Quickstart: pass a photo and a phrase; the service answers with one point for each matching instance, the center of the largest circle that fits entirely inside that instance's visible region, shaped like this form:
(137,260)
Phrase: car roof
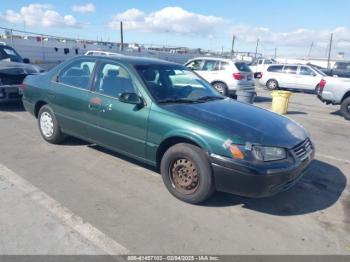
(133,60)
(213,58)
(290,65)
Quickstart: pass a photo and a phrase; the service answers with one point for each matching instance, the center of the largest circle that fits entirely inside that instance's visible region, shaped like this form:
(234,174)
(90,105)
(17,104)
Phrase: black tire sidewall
(344,108)
(199,158)
(57,135)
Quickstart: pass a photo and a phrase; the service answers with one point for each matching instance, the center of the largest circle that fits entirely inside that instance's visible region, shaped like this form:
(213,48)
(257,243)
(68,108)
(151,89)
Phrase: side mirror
(26,60)
(131,98)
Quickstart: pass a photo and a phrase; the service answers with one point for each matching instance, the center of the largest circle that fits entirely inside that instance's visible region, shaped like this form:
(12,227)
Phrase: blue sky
(288,26)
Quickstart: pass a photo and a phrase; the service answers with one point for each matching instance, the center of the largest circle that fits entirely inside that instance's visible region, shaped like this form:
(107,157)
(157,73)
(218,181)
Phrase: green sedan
(163,114)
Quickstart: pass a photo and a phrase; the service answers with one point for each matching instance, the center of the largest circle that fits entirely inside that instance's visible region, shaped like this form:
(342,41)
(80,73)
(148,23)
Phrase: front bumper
(250,180)
(327,97)
(10,93)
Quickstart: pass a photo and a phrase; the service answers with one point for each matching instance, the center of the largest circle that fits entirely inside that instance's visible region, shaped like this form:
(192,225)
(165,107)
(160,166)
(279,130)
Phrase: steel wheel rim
(184,176)
(46,124)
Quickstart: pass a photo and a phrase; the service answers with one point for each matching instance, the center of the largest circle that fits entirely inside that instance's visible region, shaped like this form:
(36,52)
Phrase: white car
(226,75)
(261,64)
(292,76)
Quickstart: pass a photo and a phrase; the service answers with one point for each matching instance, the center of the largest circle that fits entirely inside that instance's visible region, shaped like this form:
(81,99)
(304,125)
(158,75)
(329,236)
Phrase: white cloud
(87,8)
(40,14)
(297,38)
(169,19)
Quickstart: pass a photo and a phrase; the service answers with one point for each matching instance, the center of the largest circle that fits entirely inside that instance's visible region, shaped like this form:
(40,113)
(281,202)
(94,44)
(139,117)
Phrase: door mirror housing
(26,61)
(131,98)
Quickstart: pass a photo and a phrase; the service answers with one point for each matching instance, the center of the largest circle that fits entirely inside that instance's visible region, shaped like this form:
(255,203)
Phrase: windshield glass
(7,53)
(171,83)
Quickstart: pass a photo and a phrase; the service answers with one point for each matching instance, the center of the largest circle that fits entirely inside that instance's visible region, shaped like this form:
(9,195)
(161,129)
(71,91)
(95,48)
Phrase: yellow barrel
(280,100)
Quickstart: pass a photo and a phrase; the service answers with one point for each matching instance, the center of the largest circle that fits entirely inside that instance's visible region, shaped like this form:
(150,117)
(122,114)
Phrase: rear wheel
(272,84)
(48,126)
(221,87)
(187,174)
(345,108)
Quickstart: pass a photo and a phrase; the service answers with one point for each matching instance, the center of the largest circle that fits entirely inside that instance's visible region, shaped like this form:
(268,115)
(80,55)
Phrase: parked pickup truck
(13,69)
(340,69)
(336,92)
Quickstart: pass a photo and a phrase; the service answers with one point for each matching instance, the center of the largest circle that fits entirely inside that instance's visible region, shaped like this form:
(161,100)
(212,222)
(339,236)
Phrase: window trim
(92,76)
(106,61)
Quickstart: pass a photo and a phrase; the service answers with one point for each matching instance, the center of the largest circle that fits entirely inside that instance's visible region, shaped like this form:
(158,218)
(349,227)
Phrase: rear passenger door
(210,70)
(288,78)
(70,95)
(122,126)
(307,79)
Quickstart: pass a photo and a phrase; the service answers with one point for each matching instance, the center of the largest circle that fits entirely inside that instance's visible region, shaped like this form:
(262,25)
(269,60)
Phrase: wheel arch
(219,81)
(37,107)
(177,139)
(346,95)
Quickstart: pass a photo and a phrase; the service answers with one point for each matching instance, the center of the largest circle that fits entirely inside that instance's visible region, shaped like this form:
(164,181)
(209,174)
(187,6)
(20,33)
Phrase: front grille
(303,149)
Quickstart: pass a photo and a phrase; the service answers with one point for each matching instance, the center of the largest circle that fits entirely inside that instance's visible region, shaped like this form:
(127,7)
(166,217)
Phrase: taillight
(322,84)
(22,87)
(238,76)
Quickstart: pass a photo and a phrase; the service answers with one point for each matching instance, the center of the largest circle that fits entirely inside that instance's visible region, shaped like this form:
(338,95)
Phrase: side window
(113,80)
(211,65)
(290,70)
(260,62)
(195,65)
(275,69)
(224,65)
(77,74)
(306,71)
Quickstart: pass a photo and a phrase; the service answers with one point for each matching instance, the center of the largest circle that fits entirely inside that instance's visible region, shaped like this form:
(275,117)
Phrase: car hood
(249,123)
(14,68)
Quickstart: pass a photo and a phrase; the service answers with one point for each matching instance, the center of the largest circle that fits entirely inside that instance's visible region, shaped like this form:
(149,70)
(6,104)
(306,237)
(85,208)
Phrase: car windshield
(7,53)
(176,84)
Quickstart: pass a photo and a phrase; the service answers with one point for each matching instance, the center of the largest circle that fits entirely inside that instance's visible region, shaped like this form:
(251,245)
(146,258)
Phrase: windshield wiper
(209,98)
(169,101)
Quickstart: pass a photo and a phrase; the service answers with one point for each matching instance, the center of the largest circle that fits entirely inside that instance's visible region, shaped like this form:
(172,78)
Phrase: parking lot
(78,198)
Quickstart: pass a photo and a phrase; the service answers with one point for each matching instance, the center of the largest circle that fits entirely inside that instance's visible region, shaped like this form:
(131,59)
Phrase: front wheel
(345,108)
(187,174)
(48,126)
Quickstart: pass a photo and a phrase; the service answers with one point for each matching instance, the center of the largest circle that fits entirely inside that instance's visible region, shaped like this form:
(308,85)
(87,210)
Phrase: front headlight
(260,153)
(265,154)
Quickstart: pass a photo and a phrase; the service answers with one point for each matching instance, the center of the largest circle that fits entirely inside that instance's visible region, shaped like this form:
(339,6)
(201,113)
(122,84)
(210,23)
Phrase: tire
(345,108)
(193,182)
(317,89)
(272,84)
(49,128)
(221,88)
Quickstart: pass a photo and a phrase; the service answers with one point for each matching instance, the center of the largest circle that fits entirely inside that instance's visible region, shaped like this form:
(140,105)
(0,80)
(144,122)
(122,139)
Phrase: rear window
(275,69)
(242,67)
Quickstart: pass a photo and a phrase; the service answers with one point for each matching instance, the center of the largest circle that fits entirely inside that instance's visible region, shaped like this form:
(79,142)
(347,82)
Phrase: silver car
(292,76)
